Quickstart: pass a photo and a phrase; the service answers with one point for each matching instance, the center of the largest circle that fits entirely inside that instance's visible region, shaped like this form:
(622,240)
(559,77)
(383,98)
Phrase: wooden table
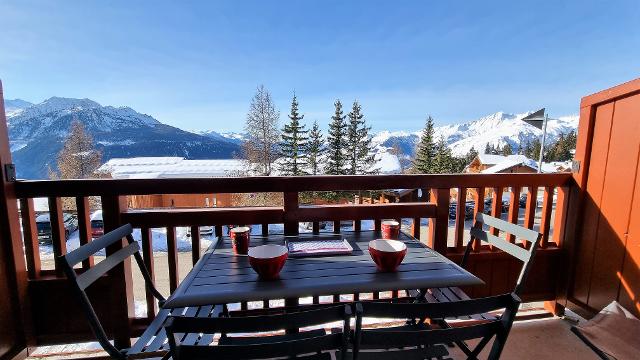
(220,277)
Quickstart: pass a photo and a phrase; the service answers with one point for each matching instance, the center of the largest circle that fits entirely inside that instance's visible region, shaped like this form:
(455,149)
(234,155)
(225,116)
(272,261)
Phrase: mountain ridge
(37,131)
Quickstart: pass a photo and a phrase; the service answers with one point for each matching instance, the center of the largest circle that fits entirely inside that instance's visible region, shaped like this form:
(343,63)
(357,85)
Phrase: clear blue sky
(196,64)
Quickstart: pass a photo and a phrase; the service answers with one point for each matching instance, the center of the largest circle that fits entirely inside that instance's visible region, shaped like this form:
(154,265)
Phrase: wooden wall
(607,244)
(179,200)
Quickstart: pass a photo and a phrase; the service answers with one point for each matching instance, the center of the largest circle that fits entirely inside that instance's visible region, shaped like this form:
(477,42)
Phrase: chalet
(494,164)
(171,168)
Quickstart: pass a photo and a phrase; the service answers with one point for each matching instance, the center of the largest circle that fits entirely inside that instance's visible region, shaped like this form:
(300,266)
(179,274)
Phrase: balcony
(587,257)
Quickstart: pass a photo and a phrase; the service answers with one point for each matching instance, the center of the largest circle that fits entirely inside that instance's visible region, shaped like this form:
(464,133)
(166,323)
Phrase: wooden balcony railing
(47,287)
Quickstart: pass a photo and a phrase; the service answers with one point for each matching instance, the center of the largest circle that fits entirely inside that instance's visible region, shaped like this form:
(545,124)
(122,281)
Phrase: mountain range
(37,132)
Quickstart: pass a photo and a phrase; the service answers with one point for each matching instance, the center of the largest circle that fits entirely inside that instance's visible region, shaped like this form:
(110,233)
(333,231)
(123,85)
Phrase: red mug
(390,229)
(240,240)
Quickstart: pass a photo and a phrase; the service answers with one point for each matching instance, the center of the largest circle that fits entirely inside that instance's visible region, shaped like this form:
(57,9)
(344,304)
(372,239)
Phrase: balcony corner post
(122,283)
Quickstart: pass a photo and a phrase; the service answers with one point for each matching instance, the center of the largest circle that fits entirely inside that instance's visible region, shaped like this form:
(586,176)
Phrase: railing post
(461,213)
(478,208)
(58,232)
(514,210)
(290,206)
(121,290)
(438,226)
(30,234)
(84,226)
(545,220)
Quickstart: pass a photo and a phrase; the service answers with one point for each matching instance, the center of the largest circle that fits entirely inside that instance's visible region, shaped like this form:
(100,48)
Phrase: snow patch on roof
(170,167)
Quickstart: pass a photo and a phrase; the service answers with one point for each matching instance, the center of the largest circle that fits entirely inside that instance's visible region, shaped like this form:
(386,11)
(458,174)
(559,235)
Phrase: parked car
(309,225)
(97,225)
(523,200)
(468,210)
(204,230)
(43,223)
(488,203)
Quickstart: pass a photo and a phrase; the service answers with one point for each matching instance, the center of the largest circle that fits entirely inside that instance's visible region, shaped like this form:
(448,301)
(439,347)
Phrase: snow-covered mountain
(36,134)
(15,106)
(497,129)
(37,131)
(232,137)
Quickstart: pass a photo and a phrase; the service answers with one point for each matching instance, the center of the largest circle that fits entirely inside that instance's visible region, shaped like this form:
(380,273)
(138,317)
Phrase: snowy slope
(15,106)
(232,137)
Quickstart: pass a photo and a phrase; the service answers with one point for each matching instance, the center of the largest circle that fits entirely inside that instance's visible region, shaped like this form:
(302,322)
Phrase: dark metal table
(220,277)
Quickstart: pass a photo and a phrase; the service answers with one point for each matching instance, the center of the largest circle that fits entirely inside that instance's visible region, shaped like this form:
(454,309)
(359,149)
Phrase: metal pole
(544,137)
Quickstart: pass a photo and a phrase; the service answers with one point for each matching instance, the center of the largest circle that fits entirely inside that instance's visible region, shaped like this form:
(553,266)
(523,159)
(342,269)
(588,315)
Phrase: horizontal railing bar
(113,187)
(203,216)
(361,212)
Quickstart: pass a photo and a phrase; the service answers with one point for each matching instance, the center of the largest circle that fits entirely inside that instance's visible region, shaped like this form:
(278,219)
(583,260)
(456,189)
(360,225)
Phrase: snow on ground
(159,237)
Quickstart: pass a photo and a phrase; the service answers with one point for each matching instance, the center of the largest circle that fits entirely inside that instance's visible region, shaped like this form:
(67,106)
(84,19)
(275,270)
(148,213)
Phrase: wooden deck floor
(548,338)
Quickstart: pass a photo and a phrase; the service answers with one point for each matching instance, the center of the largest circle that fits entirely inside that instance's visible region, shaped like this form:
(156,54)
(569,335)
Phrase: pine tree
(564,146)
(261,146)
(470,155)
(533,150)
(359,155)
(336,142)
(570,145)
(507,150)
(314,149)
(294,143)
(488,148)
(426,150)
(443,161)
(78,158)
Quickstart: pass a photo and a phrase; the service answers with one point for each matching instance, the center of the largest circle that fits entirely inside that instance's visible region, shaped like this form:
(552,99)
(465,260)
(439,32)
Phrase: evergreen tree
(426,150)
(359,156)
(294,143)
(443,161)
(487,148)
(533,150)
(507,150)
(336,141)
(564,146)
(314,149)
(470,156)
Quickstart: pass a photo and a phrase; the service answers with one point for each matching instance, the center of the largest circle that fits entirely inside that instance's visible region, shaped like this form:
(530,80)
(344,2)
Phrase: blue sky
(196,65)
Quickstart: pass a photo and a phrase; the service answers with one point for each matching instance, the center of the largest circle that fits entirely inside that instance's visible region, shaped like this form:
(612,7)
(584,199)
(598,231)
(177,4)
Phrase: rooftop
(170,167)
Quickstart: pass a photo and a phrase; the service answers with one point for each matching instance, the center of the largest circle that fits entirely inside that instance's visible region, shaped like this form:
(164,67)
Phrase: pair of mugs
(240,236)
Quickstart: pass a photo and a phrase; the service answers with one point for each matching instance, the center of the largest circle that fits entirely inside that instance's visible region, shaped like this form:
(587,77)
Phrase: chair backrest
(177,326)
(407,336)
(525,254)
(81,281)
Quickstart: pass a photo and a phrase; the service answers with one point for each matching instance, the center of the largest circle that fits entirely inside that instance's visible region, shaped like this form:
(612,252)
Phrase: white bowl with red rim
(268,260)
(387,254)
